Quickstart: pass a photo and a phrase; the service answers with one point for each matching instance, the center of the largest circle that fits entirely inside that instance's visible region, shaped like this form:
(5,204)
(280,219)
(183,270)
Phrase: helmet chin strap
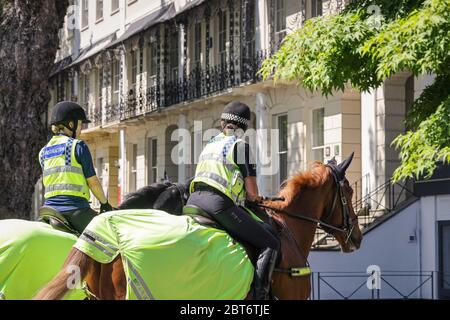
(74,130)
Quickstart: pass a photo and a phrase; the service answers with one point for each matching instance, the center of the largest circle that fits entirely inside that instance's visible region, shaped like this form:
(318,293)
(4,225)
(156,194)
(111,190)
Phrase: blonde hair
(57,128)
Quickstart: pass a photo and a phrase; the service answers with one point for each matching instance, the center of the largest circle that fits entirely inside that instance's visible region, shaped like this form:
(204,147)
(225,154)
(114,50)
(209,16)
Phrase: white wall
(388,246)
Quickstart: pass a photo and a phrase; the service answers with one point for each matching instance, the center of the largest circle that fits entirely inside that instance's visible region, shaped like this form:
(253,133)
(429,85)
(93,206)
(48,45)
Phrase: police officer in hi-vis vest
(224,179)
(68,171)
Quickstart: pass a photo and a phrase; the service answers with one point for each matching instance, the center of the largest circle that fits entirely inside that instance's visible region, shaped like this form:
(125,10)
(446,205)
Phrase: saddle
(56,220)
(203,218)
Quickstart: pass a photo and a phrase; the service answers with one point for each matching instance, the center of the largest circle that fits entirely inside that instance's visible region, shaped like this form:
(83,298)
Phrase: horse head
(323,197)
(338,213)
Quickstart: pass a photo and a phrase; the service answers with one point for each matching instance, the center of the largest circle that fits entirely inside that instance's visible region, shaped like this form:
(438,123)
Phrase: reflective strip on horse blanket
(31,254)
(169,257)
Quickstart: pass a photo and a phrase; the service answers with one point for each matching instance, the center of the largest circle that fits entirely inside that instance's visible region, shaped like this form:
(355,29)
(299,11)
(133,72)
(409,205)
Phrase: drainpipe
(122,169)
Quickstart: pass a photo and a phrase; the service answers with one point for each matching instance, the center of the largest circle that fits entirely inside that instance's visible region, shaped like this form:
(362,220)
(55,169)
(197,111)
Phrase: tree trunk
(28,45)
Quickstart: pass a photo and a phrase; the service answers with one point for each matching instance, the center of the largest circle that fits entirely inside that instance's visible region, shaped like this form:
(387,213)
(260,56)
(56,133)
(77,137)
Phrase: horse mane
(166,196)
(143,198)
(313,178)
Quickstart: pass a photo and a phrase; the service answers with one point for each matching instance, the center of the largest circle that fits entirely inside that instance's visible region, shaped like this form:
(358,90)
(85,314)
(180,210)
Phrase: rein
(347,228)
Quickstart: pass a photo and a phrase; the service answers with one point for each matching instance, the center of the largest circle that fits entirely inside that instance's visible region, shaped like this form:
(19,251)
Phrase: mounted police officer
(68,171)
(224,179)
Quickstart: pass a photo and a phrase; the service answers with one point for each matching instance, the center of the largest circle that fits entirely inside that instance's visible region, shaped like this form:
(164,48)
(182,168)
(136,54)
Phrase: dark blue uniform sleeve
(243,157)
(83,156)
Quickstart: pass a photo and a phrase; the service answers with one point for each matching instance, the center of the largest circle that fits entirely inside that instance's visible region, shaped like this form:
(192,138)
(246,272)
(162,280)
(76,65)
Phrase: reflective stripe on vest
(51,171)
(216,168)
(62,173)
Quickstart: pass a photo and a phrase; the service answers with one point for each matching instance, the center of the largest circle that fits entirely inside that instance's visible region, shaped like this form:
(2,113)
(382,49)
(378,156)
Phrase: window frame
(316,147)
(99,8)
(282,152)
(174,55)
(133,167)
(152,161)
(152,58)
(134,70)
(222,37)
(113,9)
(197,44)
(115,80)
(84,14)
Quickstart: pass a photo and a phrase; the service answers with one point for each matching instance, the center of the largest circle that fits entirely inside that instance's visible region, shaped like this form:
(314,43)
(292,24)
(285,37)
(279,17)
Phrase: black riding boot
(263,273)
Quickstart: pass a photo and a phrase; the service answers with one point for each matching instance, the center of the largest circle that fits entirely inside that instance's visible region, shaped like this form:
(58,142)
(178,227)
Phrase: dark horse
(319,197)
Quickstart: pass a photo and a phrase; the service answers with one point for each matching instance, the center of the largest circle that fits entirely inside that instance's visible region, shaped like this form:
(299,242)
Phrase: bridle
(346,228)
(348,225)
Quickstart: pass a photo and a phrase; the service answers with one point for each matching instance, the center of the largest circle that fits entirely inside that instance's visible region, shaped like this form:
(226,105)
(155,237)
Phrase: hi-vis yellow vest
(217,168)
(63,174)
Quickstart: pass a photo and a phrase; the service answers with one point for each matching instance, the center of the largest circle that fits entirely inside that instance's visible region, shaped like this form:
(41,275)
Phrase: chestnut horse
(318,197)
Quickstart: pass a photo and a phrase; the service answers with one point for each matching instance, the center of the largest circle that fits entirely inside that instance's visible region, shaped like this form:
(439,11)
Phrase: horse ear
(343,166)
(332,161)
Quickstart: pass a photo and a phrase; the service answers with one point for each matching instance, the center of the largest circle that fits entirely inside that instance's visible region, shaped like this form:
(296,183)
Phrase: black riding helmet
(237,113)
(66,111)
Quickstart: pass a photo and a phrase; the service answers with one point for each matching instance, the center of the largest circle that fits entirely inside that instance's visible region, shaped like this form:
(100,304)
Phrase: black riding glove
(104,207)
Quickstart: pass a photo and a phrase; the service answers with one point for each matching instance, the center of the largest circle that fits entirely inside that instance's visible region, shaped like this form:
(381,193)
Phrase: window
(316,8)
(134,69)
(173,56)
(151,63)
(282,126)
(116,79)
(318,134)
(222,37)
(197,44)
(444,259)
(86,89)
(280,21)
(114,6)
(99,171)
(99,10)
(152,160)
(85,14)
(100,89)
(133,169)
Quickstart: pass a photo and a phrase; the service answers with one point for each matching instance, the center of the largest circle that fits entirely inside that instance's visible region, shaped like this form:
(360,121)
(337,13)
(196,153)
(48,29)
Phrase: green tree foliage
(360,48)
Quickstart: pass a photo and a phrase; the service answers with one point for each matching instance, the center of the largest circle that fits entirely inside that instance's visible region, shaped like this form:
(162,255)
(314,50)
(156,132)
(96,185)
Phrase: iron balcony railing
(199,83)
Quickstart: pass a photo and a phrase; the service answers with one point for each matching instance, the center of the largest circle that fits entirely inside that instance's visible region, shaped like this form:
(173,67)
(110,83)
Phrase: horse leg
(58,286)
(112,284)
(119,279)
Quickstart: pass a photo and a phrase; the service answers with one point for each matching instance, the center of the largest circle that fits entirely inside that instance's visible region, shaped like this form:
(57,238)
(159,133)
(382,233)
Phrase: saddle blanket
(169,257)
(31,254)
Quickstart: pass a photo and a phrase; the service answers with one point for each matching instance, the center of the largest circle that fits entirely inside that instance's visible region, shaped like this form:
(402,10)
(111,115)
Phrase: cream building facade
(143,69)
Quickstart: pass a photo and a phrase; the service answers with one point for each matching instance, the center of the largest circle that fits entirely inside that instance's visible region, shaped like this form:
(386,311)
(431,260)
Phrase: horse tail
(59,285)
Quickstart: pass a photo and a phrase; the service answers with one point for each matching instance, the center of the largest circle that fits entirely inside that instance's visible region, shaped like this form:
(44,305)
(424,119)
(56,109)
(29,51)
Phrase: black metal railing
(384,285)
(370,205)
(199,83)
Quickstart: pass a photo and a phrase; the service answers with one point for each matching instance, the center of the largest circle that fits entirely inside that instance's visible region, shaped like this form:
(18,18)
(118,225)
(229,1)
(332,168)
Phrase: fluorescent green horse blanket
(169,257)
(31,254)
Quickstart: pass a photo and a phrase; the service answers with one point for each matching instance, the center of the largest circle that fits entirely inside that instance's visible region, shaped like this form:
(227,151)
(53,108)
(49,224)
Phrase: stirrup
(264,277)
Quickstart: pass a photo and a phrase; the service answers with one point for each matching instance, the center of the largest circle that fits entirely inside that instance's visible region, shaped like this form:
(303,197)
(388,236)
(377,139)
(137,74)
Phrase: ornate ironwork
(112,112)
(247,39)
(231,56)
(158,63)
(272,26)
(207,46)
